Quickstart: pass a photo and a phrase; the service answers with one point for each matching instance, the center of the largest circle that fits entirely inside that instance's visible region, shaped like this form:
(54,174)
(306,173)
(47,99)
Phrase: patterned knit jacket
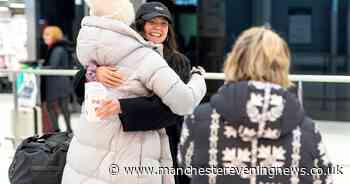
(253,127)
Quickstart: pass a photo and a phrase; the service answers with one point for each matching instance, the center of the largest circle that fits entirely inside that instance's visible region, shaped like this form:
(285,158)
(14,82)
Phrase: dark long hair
(170,45)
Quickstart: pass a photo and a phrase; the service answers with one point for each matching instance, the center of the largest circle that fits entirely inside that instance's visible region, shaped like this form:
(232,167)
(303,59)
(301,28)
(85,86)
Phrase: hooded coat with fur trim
(253,125)
(97,145)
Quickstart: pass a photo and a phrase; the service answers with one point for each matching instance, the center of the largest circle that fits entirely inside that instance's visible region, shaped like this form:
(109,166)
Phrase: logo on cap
(159,8)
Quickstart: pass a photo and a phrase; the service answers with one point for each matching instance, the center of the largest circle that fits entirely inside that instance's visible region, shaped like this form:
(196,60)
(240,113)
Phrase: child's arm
(151,110)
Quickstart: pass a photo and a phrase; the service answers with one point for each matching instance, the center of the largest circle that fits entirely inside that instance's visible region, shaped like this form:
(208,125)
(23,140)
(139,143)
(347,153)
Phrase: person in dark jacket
(153,22)
(254,123)
(57,89)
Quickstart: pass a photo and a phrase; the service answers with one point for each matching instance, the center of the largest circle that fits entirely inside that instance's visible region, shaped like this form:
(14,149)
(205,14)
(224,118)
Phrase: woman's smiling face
(156,29)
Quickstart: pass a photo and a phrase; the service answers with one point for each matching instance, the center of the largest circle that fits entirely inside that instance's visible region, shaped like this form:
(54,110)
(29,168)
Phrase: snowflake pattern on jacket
(252,124)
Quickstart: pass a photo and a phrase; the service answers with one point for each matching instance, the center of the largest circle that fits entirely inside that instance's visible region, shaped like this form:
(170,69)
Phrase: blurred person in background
(253,121)
(57,90)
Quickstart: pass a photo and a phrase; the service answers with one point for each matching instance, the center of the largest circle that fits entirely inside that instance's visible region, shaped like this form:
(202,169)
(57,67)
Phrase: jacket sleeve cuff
(91,72)
(123,116)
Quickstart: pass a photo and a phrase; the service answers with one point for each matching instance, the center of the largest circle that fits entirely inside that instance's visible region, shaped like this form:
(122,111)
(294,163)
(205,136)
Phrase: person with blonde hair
(253,127)
(57,89)
(101,151)
(54,33)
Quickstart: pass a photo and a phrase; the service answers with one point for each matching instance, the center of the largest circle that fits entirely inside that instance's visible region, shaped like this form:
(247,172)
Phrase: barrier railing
(43,72)
(209,76)
(299,79)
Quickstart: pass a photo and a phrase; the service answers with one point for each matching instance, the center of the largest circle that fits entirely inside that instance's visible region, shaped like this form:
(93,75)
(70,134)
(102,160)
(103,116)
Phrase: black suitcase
(40,160)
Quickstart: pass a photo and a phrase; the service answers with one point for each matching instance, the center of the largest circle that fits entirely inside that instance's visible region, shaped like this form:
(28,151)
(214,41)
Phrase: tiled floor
(336,136)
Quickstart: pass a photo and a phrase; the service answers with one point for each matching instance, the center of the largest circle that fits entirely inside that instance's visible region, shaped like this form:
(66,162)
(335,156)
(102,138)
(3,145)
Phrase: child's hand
(109,76)
(108,108)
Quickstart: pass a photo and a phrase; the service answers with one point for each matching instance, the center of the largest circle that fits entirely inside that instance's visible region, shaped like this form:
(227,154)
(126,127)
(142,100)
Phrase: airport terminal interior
(317,32)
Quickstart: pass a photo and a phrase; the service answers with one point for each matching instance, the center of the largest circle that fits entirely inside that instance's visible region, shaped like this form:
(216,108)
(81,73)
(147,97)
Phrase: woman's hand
(109,76)
(108,108)
(198,70)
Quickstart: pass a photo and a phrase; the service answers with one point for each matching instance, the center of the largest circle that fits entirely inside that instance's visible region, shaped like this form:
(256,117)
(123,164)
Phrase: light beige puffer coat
(97,145)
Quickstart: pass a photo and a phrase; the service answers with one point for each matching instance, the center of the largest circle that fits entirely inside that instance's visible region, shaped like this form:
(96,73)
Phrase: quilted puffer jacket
(97,145)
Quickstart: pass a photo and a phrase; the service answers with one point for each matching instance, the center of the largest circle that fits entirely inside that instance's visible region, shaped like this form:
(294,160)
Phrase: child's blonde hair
(259,54)
(121,10)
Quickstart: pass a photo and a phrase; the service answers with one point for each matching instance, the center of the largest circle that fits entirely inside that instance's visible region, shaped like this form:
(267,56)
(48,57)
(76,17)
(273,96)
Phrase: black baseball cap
(148,11)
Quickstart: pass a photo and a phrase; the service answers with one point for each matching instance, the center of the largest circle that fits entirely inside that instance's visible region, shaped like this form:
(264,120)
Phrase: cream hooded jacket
(98,145)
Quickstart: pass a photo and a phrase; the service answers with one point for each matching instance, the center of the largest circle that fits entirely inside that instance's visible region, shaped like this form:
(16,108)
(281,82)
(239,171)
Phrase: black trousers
(53,114)
(174,133)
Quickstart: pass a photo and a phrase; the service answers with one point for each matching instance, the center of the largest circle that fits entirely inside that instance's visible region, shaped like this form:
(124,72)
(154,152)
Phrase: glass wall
(316,31)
